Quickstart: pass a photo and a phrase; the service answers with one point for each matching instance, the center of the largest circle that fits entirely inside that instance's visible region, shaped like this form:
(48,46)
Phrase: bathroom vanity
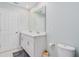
(34,40)
(33,43)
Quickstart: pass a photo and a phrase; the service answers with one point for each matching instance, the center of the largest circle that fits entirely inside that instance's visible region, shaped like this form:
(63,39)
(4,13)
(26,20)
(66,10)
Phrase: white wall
(12,20)
(63,24)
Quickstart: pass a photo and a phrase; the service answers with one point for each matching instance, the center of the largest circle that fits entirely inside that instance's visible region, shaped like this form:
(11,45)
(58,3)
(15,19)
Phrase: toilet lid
(66,47)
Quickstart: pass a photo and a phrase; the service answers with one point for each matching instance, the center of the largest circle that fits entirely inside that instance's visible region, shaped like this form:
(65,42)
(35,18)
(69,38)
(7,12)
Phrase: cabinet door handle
(28,43)
(16,32)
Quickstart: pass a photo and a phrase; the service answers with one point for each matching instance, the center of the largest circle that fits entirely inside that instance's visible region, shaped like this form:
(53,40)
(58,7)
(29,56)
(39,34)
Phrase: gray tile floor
(21,53)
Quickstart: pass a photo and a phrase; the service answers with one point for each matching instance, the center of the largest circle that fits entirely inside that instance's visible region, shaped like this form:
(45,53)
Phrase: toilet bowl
(65,50)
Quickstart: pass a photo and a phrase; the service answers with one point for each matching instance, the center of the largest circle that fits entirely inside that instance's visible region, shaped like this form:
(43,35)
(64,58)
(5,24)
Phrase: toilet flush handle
(51,44)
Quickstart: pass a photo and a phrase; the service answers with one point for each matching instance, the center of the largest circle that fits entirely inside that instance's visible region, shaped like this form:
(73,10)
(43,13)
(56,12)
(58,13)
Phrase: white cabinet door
(23,42)
(27,44)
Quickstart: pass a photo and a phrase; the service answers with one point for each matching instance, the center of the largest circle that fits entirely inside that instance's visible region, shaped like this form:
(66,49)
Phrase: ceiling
(27,5)
(20,5)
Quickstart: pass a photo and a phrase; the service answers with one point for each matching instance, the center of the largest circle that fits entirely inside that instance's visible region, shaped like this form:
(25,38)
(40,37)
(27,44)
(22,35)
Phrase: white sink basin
(34,33)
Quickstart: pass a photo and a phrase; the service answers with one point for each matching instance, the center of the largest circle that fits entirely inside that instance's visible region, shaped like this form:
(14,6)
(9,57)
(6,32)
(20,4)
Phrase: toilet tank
(65,51)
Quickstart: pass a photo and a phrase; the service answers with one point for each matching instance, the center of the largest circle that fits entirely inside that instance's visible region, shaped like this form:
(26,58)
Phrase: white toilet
(65,51)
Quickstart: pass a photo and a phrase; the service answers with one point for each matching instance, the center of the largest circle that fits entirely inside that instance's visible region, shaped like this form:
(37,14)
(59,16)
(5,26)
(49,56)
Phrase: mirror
(37,18)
